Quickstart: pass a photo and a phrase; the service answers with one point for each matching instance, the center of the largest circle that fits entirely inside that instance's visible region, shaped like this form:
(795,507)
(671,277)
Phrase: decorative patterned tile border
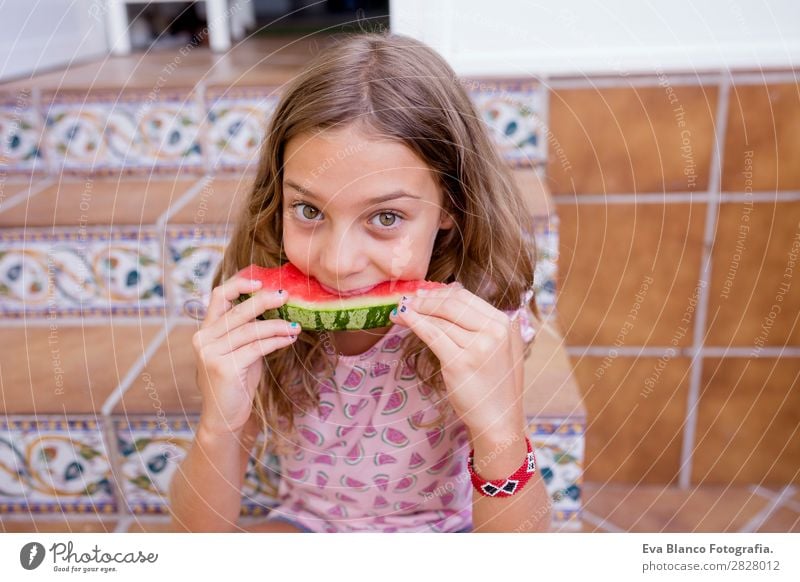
(137,131)
(151,451)
(20,133)
(91,271)
(559,446)
(237,119)
(514,111)
(146,131)
(545,235)
(74,271)
(52,465)
(195,253)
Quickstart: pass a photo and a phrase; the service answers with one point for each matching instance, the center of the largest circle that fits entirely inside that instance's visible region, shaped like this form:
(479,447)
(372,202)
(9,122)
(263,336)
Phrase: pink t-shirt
(362,463)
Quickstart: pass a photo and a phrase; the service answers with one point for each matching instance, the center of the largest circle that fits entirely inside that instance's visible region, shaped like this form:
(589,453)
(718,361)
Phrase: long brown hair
(397,88)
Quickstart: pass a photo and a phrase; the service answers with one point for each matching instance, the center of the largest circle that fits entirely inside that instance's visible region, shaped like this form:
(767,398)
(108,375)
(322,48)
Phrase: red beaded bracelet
(504,487)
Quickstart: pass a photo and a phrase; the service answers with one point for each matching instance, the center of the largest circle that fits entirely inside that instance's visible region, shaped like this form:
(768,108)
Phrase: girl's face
(358,211)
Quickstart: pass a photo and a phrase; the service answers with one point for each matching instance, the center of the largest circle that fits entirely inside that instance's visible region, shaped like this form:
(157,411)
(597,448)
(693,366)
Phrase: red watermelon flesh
(314,308)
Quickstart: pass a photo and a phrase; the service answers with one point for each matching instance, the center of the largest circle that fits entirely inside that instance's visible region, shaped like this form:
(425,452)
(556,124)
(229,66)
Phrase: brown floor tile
(635,411)
(217,202)
(762,144)
(659,508)
(72,369)
(9,188)
(627,274)
(750,257)
(628,139)
(103,201)
(59,524)
(782,520)
(747,422)
(167,381)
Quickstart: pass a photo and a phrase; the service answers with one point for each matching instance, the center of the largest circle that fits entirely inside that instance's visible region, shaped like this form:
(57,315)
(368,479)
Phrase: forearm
(206,490)
(529,510)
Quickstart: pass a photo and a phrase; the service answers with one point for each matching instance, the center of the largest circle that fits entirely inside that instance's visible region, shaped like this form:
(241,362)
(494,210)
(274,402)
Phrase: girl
(376,167)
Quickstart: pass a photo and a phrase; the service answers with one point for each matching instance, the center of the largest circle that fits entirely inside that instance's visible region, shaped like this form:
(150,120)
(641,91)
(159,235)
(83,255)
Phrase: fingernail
(294,324)
(255,283)
(394,311)
(281,291)
(402,309)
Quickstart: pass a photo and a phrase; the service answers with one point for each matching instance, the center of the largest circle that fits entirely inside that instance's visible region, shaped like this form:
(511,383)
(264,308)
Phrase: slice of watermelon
(314,308)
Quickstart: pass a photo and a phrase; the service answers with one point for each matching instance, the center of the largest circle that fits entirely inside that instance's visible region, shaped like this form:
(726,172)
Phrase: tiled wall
(679,287)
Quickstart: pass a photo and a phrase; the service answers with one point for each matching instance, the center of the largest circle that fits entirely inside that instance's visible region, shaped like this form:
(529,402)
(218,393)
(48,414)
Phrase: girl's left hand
(481,353)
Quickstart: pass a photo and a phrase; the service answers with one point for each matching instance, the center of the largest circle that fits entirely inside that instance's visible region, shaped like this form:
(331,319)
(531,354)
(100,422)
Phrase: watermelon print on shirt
(361,462)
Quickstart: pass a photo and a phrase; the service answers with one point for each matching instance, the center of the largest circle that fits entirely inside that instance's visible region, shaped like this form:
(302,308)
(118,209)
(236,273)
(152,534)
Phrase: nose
(341,255)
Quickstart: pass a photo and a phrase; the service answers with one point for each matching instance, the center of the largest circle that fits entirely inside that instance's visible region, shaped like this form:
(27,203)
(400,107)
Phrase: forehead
(335,162)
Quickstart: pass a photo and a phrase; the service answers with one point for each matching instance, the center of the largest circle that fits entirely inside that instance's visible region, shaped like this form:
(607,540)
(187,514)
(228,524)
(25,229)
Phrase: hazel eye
(307,212)
(388,220)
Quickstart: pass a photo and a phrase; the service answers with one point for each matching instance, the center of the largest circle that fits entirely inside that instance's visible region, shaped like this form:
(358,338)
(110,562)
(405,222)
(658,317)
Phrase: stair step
(102,201)
(72,369)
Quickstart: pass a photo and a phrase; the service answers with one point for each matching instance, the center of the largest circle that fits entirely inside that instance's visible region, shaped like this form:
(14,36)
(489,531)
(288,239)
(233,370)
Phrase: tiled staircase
(115,205)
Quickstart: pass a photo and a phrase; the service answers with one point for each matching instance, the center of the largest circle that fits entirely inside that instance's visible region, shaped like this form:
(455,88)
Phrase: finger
(452,307)
(254,331)
(247,355)
(248,310)
(472,301)
(223,295)
(441,341)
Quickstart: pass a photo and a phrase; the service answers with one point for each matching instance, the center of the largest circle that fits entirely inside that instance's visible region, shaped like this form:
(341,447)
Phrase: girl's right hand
(229,351)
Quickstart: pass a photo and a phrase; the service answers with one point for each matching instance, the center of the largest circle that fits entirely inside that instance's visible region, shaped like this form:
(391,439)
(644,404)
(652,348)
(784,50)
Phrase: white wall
(519,37)
(39,34)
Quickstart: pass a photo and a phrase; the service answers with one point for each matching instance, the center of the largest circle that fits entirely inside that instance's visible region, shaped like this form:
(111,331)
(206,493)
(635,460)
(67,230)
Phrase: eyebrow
(377,200)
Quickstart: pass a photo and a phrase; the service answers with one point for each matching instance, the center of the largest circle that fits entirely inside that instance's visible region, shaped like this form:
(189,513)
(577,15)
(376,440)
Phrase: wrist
(210,431)
(496,455)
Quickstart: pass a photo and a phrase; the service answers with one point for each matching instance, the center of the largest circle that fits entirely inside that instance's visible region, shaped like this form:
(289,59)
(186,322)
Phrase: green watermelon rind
(339,319)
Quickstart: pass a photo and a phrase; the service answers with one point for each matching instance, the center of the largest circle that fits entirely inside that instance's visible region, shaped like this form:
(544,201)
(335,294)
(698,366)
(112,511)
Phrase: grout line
(758,520)
(109,436)
(44,320)
(792,504)
(763,492)
(741,352)
(777,196)
(698,335)
(674,197)
(134,370)
(19,197)
(124,524)
(703,351)
(544,120)
(631,198)
(646,80)
(600,522)
(182,201)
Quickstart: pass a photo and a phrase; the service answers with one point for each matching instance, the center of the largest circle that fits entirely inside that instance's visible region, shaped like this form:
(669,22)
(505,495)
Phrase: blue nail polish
(394,311)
